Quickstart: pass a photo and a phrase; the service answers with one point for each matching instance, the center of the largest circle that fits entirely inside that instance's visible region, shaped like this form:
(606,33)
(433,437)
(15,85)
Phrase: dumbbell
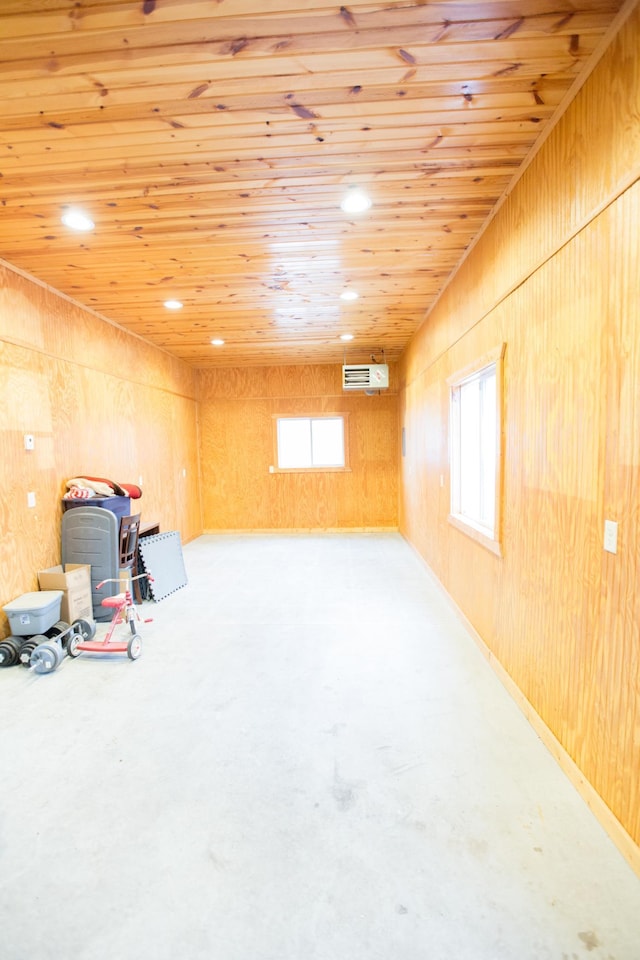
(86,629)
(10,651)
(28,646)
(46,656)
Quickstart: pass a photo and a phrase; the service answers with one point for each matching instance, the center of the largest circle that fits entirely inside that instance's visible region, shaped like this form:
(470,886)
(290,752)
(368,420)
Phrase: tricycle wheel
(72,644)
(134,647)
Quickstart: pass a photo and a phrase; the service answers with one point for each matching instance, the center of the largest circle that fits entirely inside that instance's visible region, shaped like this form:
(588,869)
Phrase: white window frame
(488,535)
(312,468)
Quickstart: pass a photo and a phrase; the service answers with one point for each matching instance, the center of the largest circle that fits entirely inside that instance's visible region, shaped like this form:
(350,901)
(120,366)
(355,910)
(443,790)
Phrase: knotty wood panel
(574,173)
(613,730)
(555,277)
(212,145)
(237,407)
(97,401)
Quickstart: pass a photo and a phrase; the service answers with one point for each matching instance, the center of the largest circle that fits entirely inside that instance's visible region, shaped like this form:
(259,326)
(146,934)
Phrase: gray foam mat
(161,555)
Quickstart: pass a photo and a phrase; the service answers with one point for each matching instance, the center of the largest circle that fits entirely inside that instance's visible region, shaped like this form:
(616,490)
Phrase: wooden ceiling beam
(491,140)
(195,77)
(160,107)
(437,109)
(425,126)
(127,31)
(56,106)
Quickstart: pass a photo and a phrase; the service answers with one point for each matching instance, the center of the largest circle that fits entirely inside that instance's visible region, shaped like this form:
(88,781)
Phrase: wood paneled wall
(97,401)
(555,276)
(237,407)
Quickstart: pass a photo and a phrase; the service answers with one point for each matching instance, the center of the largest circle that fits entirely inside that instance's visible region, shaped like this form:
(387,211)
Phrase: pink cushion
(132,490)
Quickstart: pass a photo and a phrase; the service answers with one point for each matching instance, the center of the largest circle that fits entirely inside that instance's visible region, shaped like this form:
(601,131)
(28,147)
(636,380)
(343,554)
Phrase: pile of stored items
(94,583)
(90,488)
(39,638)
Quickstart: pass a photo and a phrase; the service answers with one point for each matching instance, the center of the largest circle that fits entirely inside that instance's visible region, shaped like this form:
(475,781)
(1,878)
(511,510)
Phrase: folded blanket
(96,488)
(83,488)
(78,493)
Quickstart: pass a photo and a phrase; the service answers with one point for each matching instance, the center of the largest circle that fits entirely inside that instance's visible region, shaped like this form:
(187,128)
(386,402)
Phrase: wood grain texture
(555,276)
(212,144)
(237,407)
(535,221)
(97,401)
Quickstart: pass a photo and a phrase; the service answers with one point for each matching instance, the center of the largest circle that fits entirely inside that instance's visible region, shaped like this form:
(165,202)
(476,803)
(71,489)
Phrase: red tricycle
(124,611)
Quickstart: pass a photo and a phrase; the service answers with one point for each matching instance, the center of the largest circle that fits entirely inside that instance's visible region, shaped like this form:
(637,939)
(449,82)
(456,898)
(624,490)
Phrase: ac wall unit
(365,376)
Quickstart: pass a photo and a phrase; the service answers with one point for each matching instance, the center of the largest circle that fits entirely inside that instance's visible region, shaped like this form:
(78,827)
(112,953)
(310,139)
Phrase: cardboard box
(74,579)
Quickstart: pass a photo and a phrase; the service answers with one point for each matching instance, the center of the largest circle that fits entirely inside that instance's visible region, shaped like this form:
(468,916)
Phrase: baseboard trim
(603,814)
(292,531)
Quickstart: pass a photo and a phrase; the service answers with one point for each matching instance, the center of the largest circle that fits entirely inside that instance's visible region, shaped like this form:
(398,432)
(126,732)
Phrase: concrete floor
(310,761)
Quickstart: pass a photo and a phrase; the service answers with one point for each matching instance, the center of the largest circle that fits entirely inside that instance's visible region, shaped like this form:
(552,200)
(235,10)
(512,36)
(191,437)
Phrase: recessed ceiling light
(217,342)
(77,220)
(346,336)
(355,200)
(349,295)
(173,305)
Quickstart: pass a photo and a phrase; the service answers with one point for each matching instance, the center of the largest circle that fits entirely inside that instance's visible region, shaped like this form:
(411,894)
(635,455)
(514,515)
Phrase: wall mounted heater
(365,376)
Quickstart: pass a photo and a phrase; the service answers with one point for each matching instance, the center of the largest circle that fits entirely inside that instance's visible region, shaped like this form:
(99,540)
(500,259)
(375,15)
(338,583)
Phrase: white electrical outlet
(31,499)
(29,441)
(611,536)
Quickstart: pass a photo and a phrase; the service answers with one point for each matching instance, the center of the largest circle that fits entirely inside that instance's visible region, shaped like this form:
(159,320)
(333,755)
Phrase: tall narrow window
(475,449)
(311,443)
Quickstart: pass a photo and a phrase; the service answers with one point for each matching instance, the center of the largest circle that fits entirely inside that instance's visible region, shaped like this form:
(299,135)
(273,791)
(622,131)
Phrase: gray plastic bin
(33,613)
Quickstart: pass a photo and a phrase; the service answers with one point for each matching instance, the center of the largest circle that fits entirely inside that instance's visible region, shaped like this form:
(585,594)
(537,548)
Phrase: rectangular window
(475,449)
(311,443)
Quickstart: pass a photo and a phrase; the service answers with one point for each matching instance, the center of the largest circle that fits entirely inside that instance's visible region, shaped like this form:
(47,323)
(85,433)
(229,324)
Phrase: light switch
(29,441)
(611,536)
(31,499)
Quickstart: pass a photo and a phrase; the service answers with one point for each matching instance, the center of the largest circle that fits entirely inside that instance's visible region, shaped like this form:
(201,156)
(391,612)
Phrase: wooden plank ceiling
(212,141)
